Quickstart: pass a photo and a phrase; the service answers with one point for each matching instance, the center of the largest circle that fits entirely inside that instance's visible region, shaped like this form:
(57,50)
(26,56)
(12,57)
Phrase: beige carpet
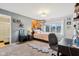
(24,49)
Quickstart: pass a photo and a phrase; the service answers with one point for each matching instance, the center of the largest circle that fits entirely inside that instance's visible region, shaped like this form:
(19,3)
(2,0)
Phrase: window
(58,29)
(53,27)
(47,28)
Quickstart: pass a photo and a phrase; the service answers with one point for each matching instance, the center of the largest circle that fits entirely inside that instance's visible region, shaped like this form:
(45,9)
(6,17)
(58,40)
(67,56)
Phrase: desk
(65,48)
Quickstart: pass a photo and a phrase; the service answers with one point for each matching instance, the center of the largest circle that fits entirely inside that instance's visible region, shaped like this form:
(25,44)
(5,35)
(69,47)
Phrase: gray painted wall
(25,20)
(67,29)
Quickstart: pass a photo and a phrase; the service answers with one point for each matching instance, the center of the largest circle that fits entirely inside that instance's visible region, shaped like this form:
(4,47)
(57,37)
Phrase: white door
(5,28)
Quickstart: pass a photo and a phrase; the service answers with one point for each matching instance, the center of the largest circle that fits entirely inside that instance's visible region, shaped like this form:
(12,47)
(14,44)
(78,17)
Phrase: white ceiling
(32,9)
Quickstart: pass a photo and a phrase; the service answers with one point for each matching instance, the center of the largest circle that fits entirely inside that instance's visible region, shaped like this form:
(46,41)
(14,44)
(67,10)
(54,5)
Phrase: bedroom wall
(67,29)
(25,20)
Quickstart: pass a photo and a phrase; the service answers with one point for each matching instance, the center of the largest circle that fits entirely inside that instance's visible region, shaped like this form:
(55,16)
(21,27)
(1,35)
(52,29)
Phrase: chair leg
(58,53)
(53,55)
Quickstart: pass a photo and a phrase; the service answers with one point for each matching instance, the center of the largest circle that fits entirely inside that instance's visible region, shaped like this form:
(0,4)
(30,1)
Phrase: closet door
(5,32)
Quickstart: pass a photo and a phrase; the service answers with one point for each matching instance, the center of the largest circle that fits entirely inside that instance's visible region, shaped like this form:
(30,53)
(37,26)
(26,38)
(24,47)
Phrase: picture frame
(69,23)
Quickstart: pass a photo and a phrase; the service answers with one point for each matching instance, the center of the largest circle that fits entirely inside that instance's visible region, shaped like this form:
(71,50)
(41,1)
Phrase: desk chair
(53,42)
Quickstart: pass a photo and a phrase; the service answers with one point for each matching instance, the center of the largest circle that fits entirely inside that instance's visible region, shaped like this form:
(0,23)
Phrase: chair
(53,42)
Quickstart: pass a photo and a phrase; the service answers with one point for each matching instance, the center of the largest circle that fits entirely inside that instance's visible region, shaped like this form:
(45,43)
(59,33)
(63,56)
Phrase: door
(5,29)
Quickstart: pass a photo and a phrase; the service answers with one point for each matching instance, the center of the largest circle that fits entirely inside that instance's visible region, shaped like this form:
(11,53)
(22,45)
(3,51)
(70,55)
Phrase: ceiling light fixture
(43,13)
